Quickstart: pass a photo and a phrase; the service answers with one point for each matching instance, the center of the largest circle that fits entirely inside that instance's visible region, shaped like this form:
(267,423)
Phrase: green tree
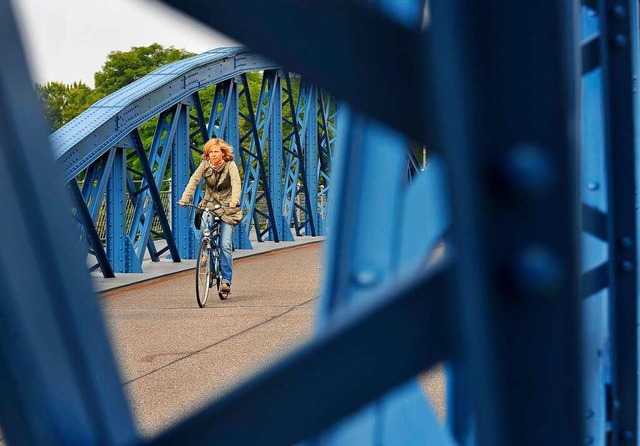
(124,67)
(52,96)
(63,102)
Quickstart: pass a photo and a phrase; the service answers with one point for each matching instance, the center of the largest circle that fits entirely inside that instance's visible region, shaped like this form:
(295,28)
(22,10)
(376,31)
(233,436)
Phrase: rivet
(593,185)
(528,171)
(537,272)
(627,435)
(365,278)
(626,242)
(620,40)
(619,12)
(627,266)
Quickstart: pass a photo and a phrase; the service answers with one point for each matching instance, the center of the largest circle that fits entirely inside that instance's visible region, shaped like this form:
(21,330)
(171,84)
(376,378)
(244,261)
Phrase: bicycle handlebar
(217,206)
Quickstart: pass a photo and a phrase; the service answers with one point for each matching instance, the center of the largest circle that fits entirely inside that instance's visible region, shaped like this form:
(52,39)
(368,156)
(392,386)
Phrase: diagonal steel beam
(58,378)
(355,35)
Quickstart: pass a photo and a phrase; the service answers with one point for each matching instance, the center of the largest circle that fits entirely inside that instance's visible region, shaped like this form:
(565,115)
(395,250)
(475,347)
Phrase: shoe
(225,288)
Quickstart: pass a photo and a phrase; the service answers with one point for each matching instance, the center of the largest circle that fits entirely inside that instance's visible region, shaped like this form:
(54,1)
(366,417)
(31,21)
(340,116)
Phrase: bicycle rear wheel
(203,273)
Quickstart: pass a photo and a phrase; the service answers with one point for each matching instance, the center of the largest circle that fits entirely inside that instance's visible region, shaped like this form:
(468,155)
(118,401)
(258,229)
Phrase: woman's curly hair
(226,149)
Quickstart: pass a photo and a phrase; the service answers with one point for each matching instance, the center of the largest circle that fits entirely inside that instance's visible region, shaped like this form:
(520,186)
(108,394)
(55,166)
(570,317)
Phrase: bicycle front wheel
(203,273)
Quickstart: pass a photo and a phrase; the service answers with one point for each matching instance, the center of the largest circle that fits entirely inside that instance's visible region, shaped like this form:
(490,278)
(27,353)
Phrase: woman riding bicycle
(223,188)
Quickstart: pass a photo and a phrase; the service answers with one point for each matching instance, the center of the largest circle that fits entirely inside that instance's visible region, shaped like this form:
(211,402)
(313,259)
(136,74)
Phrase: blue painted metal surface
(116,243)
(327,117)
(78,144)
(610,108)
(59,383)
(310,166)
(293,159)
(300,199)
(148,204)
(275,154)
(369,181)
(594,192)
(182,167)
(502,304)
(255,186)
(618,55)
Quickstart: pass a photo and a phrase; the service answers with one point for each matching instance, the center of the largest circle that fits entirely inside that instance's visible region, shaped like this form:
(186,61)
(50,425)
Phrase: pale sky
(65,41)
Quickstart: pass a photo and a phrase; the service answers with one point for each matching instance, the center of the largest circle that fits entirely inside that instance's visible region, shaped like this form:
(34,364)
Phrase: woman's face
(215,155)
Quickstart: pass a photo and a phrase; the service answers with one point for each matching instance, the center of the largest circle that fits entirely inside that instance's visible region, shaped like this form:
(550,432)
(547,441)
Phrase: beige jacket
(222,187)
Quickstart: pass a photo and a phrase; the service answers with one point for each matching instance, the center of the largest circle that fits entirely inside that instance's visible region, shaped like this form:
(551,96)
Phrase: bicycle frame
(211,231)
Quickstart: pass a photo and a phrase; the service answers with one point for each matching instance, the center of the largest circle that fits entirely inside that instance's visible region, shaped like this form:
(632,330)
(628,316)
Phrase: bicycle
(209,268)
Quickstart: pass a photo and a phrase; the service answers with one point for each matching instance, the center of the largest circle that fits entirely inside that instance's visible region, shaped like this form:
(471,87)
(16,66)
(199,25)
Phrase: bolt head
(620,41)
(619,12)
(527,172)
(626,242)
(627,266)
(593,185)
(537,272)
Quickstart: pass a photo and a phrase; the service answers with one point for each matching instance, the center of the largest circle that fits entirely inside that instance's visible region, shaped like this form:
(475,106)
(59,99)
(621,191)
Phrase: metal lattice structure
(97,147)
(532,108)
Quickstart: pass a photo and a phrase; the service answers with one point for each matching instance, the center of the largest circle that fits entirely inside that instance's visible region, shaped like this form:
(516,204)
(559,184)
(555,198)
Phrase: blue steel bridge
(531,111)
(284,143)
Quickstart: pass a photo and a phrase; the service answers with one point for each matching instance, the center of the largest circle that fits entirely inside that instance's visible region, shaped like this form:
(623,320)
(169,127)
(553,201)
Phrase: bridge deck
(165,267)
(174,356)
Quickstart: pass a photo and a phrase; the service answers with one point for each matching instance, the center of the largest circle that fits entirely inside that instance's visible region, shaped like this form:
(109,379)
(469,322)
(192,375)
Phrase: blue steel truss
(98,146)
(609,285)
(295,159)
(327,114)
(476,262)
(255,187)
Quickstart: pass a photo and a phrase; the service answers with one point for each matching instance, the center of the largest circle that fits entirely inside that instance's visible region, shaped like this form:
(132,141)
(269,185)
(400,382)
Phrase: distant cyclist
(222,187)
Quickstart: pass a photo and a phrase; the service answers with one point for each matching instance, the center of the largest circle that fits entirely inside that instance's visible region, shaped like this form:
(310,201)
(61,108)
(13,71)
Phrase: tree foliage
(124,67)
(63,102)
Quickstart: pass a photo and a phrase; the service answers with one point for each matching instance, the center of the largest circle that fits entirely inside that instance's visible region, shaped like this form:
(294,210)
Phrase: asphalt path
(175,357)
